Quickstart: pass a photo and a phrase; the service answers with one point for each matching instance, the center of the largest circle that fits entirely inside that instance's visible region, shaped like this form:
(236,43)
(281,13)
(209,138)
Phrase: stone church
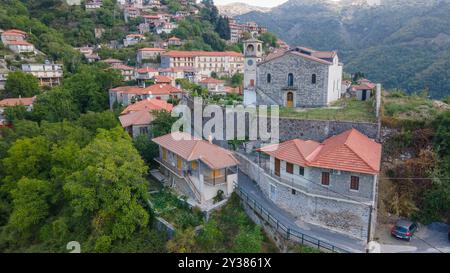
(298,77)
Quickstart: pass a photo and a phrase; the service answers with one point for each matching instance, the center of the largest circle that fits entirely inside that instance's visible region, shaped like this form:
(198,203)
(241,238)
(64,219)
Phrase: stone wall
(306,93)
(350,218)
(290,128)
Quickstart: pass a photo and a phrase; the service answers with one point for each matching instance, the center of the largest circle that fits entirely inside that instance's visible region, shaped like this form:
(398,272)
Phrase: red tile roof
(162,79)
(19,43)
(173,38)
(176,53)
(190,148)
(14,32)
(146,70)
(211,80)
(142,117)
(363,86)
(349,151)
(17,101)
(151,49)
(156,89)
(148,105)
(121,66)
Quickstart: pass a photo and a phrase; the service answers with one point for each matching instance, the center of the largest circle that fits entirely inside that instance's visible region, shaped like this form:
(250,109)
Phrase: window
(313,79)
(293,191)
(164,153)
(194,165)
(252,83)
(215,173)
(354,183)
(301,170)
(143,130)
(269,78)
(289,168)
(325,178)
(290,79)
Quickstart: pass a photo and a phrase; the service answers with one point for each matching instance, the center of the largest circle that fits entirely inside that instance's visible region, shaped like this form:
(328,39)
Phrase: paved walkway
(340,240)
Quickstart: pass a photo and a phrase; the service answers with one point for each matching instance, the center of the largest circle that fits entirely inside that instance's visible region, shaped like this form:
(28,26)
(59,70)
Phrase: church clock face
(250,62)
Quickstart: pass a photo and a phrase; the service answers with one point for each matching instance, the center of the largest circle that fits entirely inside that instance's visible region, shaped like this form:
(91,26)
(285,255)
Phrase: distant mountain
(235,9)
(400,43)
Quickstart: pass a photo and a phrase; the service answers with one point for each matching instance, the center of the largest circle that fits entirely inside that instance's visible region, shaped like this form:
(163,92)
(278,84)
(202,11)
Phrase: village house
(362,91)
(92,5)
(148,54)
(48,74)
(125,95)
(205,62)
(165,27)
(299,77)
(145,74)
(237,30)
(143,28)
(26,102)
(214,86)
(136,118)
(189,73)
(131,13)
(111,61)
(88,53)
(13,35)
(126,71)
(132,39)
(196,168)
(21,47)
(3,77)
(332,184)
(174,41)
(159,79)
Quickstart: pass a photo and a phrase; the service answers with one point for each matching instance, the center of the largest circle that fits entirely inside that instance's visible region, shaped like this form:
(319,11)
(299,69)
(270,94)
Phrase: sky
(259,3)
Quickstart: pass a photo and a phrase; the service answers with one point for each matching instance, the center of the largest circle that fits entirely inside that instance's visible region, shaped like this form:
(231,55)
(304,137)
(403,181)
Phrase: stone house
(48,74)
(125,95)
(214,86)
(126,71)
(26,102)
(21,47)
(196,167)
(299,77)
(136,118)
(132,39)
(149,54)
(144,74)
(332,184)
(174,41)
(12,35)
(362,91)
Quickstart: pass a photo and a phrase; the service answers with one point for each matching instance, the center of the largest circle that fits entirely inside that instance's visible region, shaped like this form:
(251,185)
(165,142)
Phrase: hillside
(399,43)
(235,9)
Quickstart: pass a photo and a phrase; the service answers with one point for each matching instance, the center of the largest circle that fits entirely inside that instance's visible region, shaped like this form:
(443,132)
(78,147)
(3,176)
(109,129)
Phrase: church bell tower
(252,56)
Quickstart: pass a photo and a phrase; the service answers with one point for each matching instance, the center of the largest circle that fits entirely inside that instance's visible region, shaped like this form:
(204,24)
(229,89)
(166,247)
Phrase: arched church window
(290,79)
(313,79)
(269,78)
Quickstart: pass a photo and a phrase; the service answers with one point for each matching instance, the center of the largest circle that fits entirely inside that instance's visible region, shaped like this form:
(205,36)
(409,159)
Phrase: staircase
(193,188)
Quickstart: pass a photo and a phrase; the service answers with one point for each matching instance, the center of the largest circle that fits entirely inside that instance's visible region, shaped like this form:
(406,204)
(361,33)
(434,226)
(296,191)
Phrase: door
(179,163)
(290,99)
(277,167)
(364,95)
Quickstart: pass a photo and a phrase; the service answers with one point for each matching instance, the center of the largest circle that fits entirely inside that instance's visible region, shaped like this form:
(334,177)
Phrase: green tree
(211,238)
(20,84)
(182,242)
(30,206)
(92,120)
(162,124)
(55,105)
(108,188)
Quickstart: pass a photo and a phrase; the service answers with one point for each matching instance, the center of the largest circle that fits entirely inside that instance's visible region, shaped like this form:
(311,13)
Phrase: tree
(109,187)
(269,39)
(30,205)
(211,237)
(146,148)
(20,84)
(93,121)
(162,124)
(55,105)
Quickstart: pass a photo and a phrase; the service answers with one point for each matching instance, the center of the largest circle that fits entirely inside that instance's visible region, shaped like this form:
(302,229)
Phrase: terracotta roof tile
(142,117)
(148,105)
(211,80)
(176,53)
(190,148)
(17,101)
(156,89)
(348,151)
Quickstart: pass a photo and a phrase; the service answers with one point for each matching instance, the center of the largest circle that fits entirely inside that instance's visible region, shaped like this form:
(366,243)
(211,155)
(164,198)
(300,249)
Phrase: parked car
(404,229)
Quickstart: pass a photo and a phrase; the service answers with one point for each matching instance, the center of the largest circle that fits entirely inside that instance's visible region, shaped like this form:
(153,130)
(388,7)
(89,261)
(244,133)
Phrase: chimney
(210,139)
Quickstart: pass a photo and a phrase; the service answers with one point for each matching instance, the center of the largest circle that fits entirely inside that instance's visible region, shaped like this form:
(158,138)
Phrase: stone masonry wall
(348,218)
